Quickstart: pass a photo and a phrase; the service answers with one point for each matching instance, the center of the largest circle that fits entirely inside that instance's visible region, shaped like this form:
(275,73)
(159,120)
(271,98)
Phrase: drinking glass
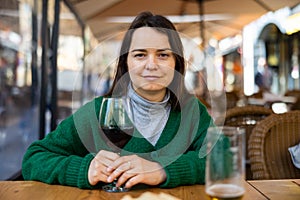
(225,163)
(116,123)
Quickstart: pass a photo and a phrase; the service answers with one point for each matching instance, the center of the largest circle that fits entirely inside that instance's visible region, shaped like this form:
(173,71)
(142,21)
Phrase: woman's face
(151,63)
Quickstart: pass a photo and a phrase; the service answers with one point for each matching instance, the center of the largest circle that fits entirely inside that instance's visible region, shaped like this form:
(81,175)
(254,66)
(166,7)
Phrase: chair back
(246,117)
(269,143)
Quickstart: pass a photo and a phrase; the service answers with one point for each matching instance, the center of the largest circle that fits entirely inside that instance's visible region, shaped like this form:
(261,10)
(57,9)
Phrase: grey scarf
(150,118)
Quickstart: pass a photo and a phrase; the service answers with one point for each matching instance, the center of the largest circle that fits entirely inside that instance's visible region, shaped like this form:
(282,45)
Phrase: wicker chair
(246,117)
(269,143)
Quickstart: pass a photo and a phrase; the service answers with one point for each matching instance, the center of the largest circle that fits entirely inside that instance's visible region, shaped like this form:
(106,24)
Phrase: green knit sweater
(64,155)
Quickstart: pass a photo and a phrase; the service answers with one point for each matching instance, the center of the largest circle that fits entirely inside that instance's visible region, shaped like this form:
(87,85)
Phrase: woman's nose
(151,63)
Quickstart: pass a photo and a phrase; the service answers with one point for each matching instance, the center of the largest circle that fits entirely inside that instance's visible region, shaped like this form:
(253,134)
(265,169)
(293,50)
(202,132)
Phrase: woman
(166,154)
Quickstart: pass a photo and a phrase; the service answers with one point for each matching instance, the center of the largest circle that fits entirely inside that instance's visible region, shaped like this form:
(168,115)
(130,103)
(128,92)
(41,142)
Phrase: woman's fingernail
(108,169)
(109,179)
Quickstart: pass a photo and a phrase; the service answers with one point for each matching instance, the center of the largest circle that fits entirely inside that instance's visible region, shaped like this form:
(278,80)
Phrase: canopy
(222,18)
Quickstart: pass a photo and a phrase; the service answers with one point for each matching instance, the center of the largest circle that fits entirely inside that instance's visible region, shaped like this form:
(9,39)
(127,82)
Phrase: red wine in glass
(116,136)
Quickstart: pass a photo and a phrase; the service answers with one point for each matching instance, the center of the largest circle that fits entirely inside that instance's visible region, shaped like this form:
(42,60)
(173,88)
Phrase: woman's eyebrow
(165,49)
(144,50)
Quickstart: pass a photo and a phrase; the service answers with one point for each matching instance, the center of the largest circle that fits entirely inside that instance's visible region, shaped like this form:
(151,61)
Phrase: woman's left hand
(131,170)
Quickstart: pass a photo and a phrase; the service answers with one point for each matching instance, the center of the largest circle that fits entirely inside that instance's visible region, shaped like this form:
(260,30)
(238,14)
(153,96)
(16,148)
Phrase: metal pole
(44,68)
(83,65)
(54,46)
(34,74)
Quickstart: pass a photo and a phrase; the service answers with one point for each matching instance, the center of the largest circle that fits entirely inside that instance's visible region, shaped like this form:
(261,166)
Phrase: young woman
(168,145)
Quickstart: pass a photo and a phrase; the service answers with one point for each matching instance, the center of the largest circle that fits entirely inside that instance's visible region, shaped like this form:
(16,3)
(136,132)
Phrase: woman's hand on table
(131,170)
(98,167)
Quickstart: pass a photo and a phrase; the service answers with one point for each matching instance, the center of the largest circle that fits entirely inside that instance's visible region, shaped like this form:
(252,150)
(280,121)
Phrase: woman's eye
(164,55)
(139,55)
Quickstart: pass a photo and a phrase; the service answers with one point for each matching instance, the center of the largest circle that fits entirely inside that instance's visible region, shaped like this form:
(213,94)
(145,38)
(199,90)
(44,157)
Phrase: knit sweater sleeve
(59,158)
(189,168)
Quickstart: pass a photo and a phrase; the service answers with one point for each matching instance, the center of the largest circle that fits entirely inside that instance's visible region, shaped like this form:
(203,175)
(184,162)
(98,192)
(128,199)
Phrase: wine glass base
(113,188)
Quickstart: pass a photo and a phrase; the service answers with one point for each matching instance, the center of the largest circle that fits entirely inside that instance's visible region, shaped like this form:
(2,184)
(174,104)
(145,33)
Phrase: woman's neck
(153,96)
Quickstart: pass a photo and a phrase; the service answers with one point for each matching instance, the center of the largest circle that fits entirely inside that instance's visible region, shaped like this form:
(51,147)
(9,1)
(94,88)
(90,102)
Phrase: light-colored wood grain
(288,189)
(32,190)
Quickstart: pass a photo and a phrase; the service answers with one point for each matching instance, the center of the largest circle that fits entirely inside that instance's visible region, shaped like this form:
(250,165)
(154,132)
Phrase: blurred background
(55,55)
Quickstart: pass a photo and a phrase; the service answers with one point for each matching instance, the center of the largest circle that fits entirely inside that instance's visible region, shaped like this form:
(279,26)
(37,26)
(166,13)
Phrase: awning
(222,18)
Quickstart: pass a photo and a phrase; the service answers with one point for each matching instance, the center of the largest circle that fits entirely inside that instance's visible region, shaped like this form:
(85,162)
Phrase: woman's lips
(151,78)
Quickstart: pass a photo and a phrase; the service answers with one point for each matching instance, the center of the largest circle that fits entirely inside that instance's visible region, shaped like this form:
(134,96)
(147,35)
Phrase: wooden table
(31,190)
(288,189)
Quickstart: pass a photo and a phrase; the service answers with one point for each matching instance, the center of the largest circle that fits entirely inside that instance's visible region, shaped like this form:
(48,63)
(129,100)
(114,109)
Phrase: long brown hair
(163,25)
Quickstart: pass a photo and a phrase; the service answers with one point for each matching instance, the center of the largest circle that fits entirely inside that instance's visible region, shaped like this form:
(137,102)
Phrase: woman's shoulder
(95,101)
(193,106)
(193,100)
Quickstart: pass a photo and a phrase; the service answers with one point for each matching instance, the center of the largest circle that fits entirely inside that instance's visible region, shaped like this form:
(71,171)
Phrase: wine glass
(116,123)
(225,163)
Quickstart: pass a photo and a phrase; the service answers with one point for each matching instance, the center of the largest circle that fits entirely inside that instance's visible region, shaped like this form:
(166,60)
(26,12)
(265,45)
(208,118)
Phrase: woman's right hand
(98,166)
